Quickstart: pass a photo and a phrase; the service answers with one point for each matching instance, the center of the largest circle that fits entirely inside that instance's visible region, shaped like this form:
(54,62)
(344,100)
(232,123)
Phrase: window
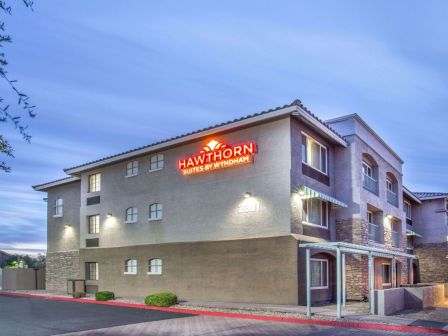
(95,182)
(131,215)
(94,224)
(91,271)
(370,217)
(315,212)
(367,170)
(130,266)
(58,207)
(155,266)
(386,274)
(314,154)
(389,184)
(156,162)
(410,242)
(132,168)
(408,209)
(155,211)
(319,273)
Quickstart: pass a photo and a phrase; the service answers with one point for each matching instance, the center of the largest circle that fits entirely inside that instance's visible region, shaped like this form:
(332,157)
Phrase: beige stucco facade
(213,246)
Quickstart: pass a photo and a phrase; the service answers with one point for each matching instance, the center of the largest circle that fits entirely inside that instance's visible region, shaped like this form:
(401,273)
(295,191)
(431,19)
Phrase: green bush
(104,296)
(78,295)
(162,299)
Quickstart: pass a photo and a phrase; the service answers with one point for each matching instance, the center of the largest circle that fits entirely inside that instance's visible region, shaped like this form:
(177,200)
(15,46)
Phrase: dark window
(93,200)
(93,242)
(91,271)
(386,274)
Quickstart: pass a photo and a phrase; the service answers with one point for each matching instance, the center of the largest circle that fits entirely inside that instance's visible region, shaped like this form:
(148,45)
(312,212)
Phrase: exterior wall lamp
(109,215)
(67,226)
(247,194)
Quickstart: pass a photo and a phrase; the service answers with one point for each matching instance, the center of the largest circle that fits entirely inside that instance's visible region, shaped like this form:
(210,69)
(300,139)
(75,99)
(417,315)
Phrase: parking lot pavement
(39,317)
(23,316)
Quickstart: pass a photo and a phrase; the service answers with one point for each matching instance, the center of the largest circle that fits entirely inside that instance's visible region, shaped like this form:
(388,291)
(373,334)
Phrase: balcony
(392,198)
(370,184)
(374,232)
(395,239)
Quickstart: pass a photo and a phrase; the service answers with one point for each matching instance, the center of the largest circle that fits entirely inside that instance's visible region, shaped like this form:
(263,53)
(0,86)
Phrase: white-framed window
(386,274)
(131,215)
(156,162)
(94,182)
(132,168)
(319,273)
(93,224)
(130,266)
(58,207)
(367,169)
(389,185)
(91,271)
(314,154)
(315,212)
(155,266)
(407,209)
(155,211)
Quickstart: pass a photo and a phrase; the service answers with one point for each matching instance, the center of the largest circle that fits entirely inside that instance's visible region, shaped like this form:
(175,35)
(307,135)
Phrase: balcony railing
(392,198)
(370,183)
(395,239)
(374,232)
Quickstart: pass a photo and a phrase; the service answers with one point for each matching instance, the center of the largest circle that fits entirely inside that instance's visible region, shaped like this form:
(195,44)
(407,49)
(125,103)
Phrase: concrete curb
(340,324)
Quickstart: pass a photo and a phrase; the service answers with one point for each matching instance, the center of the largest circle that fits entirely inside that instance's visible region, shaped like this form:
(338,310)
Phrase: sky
(108,76)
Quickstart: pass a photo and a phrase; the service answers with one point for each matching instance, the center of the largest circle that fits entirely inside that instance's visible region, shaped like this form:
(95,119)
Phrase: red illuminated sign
(216,155)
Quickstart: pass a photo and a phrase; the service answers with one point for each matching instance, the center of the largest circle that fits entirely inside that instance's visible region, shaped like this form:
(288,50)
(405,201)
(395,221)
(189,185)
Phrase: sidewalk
(355,314)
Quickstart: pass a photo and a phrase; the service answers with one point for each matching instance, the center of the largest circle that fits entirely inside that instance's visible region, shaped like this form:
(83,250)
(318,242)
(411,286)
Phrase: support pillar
(371,284)
(394,272)
(410,272)
(344,292)
(308,283)
(338,283)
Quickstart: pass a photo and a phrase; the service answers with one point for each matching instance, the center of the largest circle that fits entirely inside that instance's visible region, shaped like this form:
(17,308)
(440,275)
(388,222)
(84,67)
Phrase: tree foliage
(23,104)
(24,261)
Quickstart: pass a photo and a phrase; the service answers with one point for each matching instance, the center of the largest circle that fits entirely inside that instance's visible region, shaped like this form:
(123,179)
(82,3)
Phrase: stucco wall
(59,237)
(23,278)
(250,270)
(430,221)
(199,207)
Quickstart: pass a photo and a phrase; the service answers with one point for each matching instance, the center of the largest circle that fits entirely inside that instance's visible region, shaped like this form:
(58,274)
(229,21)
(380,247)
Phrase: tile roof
(296,102)
(423,195)
(68,179)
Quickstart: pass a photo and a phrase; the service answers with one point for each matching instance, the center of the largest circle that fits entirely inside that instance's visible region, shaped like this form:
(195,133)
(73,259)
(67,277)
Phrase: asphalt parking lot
(23,316)
(39,317)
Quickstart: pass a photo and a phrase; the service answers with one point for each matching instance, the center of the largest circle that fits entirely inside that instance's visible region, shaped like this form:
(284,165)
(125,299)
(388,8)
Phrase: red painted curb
(341,324)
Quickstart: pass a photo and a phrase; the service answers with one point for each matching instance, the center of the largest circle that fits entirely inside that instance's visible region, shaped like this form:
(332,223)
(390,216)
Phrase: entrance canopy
(306,192)
(357,249)
(341,249)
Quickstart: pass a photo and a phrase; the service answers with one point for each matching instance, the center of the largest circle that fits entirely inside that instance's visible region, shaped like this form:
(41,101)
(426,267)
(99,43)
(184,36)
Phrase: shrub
(78,295)
(162,299)
(104,296)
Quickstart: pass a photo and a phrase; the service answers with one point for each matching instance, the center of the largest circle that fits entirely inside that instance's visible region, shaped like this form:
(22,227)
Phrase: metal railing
(374,232)
(395,239)
(370,183)
(392,198)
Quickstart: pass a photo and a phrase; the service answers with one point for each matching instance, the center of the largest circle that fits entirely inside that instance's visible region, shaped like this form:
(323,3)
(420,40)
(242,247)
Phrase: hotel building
(218,214)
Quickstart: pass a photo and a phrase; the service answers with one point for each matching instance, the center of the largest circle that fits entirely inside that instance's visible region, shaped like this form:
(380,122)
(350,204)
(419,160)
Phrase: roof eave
(411,195)
(260,118)
(325,131)
(53,184)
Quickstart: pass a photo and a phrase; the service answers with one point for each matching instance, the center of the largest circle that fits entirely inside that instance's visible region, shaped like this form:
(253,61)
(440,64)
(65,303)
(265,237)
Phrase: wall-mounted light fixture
(109,215)
(247,194)
(390,217)
(67,226)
